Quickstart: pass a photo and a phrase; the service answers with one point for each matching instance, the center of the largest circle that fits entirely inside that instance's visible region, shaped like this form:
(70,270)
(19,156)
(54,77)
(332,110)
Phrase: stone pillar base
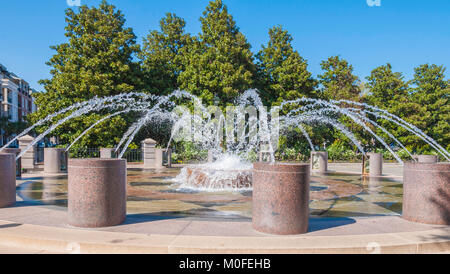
(375,164)
(106,153)
(7,180)
(429,159)
(426,193)
(281,198)
(97,192)
(55,160)
(319,161)
(28,158)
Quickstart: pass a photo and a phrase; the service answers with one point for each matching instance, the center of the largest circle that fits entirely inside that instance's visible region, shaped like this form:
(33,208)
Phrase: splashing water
(231,141)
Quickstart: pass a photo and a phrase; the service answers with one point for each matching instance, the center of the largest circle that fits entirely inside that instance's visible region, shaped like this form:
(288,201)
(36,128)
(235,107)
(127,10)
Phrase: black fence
(84,153)
(131,155)
(39,155)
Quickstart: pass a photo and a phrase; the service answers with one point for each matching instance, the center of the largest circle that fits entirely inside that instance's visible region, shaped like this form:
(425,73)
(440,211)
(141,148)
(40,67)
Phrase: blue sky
(405,33)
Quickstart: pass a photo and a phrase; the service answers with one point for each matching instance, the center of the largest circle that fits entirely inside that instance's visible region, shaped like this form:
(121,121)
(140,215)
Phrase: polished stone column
(319,161)
(29,157)
(375,164)
(429,159)
(97,192)
(281,198)
(426,193)
(15,151)
(106,153)
(7,179)
(54,160)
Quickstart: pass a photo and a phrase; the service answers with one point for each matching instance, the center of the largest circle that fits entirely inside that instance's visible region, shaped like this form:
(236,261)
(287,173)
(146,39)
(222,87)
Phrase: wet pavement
(154,193)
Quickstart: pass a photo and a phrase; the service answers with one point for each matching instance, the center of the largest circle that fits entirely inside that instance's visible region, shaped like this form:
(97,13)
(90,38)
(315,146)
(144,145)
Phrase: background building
(16,99)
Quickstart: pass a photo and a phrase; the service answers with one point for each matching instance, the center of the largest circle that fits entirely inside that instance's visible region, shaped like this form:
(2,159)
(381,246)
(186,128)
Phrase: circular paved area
(42,228)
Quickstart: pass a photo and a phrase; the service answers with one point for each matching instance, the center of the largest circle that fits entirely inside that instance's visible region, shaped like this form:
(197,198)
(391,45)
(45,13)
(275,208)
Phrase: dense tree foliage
(432,92)
(389,91)
(218,65)
(338,81)
(97,60)
(162,54)
(282,73)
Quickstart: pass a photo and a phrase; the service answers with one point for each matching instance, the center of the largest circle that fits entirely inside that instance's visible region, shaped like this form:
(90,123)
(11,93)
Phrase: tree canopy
(162,54)
(219,66)
(97,60)
(338,81)
(282,73)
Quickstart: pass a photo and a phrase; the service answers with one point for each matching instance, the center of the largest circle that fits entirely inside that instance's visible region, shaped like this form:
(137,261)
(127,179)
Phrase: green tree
(282,73)
(432,92)
(95,61)
(220,63)
(338,81)
(162,54)
(389,91)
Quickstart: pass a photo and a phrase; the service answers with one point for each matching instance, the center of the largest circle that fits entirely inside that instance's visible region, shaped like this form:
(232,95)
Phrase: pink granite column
(7,180)
(426,193)
(97,192)
(15,151)
(281,198)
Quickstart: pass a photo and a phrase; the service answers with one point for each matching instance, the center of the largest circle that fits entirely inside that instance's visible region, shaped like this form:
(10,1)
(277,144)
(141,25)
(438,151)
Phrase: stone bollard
(153,157)
(428,159)
(7,179)
(281,198)
(97,192)
(15,151)
(319,161)
(426,193)
(28,158)
(375,164)
(54,160)
(106,153)
(168,155)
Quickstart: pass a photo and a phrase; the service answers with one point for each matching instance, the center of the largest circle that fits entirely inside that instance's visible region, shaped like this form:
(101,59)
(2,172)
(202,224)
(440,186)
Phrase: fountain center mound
(228,173)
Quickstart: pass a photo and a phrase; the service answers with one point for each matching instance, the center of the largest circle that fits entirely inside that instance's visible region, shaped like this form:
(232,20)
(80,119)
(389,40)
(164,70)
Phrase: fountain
(234,143)
(243,135)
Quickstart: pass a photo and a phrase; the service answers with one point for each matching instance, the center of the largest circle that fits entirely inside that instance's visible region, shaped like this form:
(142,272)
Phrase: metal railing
(131,155)
(84,153)
(39,155)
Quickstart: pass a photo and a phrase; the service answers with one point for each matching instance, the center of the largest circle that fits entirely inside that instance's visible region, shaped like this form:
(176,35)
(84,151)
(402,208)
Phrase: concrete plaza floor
(35,228)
